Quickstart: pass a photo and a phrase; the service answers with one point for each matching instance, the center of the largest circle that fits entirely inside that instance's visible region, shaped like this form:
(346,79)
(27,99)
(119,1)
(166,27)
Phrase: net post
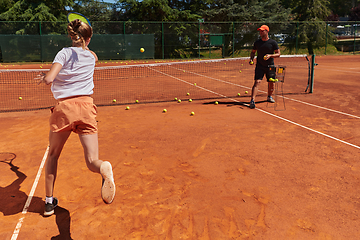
(313,64)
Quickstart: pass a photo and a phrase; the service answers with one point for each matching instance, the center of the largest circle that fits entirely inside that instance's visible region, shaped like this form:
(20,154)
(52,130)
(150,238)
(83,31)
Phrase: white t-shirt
(76,75)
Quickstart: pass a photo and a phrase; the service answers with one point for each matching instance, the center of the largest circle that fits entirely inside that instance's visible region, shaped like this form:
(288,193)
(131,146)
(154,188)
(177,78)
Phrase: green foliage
(33,10)
(93,10)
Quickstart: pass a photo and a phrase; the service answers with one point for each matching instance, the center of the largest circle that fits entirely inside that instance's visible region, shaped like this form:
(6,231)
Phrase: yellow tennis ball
(179,101)
(175,99)
(164,110)
(192,113)
(188,94)
(137,101)
(239,94)
(114,100)
(251,63)
(127,108)
(216,103)
(190,100)
(142,50)
(20,98)
(246,92)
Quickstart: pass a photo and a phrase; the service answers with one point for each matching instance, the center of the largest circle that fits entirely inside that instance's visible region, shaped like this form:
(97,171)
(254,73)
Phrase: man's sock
(48,200)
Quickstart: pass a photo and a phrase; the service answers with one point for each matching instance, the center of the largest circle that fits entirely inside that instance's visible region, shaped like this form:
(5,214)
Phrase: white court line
(284,119)
(28,201)
(339,69)
(295,100)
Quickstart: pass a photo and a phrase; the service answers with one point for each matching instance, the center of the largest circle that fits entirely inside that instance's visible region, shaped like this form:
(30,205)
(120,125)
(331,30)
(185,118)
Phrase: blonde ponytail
(79,32)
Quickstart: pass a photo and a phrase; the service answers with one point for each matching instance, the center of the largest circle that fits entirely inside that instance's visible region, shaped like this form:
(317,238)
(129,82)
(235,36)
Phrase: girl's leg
(91,153)
(56,141)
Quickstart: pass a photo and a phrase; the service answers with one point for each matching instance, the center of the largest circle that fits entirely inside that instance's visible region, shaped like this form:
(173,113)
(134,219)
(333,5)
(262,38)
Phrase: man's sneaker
(252,104)
(270,99)
(108,184)
(49,207)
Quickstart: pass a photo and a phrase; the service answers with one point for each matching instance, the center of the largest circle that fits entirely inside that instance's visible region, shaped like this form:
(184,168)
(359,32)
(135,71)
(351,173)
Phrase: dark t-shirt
(263,48)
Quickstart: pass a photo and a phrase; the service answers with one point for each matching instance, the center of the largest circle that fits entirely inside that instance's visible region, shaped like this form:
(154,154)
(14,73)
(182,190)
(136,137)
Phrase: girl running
(71,76)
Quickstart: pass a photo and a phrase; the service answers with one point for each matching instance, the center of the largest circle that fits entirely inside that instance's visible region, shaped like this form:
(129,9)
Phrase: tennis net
(157,82)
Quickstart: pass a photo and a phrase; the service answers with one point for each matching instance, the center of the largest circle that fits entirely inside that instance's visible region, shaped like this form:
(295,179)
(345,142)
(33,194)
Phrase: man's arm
(252,56)
(276,54)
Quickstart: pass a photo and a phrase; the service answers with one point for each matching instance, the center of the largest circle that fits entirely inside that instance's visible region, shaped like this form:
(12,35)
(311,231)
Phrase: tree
(228,11)
(312,15)
(342,8)
(93,10)
(355,13)
(33,10)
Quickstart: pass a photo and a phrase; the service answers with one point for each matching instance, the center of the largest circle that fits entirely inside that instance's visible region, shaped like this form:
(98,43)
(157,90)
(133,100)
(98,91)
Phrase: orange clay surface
(228,172)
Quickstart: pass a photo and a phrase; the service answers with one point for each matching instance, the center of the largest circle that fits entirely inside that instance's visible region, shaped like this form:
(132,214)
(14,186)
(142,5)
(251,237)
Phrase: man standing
(267,49)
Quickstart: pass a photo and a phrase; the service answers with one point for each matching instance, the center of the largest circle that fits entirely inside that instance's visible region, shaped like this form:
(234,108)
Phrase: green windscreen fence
(27,48)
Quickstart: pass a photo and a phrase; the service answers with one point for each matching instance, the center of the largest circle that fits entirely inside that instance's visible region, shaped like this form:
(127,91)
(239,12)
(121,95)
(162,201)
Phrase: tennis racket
(7,157)
(74,15)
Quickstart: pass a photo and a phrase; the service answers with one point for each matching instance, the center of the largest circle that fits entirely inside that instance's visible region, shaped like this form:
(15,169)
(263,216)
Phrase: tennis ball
(127,108)
(137,101)
(20,98)
(164,110)
(251,63)
(179,101)
(142,50)
(190,100)
(239,94)
(192,113)
(188,94)
(114,100)
(216,103)
(195,84)
(175,99)
(271,80)
(240,71)
(276,80)
(246,92)
(264,57)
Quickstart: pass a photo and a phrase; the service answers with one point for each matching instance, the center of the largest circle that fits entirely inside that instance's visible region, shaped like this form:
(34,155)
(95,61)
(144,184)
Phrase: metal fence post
(354,37)
(199,38)
(233,41)
(297,37)
(326,29)
(41,48)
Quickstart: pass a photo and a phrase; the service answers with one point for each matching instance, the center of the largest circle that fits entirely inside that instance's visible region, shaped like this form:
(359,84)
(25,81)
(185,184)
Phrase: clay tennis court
(227,172)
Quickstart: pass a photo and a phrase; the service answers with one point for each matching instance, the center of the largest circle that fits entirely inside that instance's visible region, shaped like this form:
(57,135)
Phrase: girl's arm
(50,76)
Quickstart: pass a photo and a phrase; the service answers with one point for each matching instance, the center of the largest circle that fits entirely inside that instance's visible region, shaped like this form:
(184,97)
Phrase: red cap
(264,27)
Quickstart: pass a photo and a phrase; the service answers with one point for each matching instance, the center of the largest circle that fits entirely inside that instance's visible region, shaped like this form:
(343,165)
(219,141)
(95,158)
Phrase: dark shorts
(260,71)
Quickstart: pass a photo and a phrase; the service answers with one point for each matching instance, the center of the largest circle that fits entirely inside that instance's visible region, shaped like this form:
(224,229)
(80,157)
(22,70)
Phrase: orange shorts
(75,114)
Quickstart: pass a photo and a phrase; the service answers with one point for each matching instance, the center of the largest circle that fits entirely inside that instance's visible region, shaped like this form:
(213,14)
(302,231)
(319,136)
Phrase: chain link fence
(40,41)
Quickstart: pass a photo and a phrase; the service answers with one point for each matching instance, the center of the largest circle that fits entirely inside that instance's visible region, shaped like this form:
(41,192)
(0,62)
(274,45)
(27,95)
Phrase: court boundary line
(31,194)
(295,100)
(271,114)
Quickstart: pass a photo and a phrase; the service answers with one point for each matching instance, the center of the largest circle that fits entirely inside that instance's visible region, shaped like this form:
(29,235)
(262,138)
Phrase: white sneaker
(270,99)
(108,184)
